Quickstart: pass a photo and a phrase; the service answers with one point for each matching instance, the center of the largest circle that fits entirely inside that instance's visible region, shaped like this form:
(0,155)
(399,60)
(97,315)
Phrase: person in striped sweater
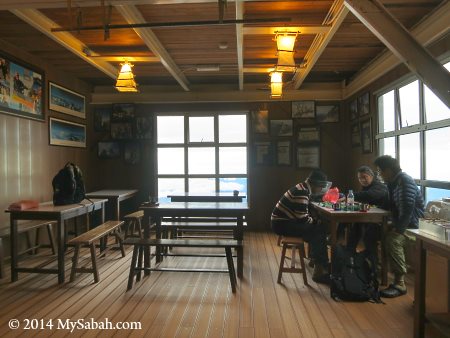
(291,217)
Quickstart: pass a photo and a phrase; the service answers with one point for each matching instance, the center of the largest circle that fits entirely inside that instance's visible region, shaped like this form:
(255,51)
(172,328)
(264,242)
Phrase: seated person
(292,217)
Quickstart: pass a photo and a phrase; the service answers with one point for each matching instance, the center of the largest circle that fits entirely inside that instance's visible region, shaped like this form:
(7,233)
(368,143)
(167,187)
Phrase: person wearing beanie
(291,217)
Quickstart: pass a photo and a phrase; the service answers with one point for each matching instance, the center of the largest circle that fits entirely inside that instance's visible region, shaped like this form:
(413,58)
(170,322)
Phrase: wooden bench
(88,239)
(26,227)
(133,224)
(138,252)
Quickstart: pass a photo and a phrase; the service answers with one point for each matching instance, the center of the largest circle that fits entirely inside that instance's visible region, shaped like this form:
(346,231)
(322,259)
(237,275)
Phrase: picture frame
(67,133)
(281,128)
(66,101)
(284,157)
(108,149)
(263,153)
(102,119)
(303,109)
(366,136)
(143,128)
(308,135)
(260,121)
(121,130)
(364,104)
(308,156)
(22,89)
(123,112)
(132,153)
(353,109)
(355,135)
(326,113)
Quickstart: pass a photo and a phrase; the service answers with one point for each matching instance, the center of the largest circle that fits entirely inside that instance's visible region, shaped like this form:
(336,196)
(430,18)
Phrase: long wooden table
(198,209)
(47,211)
(114,196)
(373,215)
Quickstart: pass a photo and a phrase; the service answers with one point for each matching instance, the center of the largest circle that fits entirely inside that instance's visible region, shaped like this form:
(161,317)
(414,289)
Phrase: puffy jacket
(376,193)
(406,202)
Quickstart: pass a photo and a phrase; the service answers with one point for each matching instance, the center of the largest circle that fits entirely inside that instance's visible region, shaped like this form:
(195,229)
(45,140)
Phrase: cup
(364,207)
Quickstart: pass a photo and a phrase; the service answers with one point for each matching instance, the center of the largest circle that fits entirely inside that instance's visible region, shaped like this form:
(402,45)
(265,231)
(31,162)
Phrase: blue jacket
(406,202)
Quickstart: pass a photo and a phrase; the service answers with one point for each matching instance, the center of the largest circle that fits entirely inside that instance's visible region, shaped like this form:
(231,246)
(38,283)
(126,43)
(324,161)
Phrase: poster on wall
(65,133)
(21,89)
(66,101)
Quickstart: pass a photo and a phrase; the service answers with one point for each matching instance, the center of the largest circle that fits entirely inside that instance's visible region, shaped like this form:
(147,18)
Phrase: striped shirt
(293,205)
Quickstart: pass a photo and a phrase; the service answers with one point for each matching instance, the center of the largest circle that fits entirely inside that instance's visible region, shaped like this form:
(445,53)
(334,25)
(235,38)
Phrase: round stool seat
(292,240)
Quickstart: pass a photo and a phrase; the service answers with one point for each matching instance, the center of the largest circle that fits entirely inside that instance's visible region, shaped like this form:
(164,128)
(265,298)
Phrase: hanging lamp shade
(276,85)
(125,80)
(286,62)
(285,49)
(286,41)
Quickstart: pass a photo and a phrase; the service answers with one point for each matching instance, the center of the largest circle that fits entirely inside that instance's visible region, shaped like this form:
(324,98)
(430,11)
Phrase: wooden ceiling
(178,52)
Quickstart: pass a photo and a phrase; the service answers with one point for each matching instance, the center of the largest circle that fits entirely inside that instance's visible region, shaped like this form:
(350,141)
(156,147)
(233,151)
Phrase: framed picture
(308,156)
(327,113)
(260,121)
(281,128)
(65,133)
(123,112)
(355,135)
(363,104)
(65,101)
(102,119)
(132,153)
(366,135)
(108,149)
(21,89)
(122,131)
(353,109)
(144,130)
(310,134)
(284,153)
(303,109)
(262,153)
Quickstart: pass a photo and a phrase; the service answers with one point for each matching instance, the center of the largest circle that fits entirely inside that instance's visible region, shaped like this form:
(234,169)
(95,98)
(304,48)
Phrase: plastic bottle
(350,200)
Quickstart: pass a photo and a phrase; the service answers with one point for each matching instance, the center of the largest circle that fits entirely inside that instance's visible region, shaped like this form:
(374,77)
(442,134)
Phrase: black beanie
(317,177)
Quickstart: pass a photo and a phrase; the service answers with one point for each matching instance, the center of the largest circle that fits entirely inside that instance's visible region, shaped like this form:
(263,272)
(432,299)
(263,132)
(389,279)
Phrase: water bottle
(350,200)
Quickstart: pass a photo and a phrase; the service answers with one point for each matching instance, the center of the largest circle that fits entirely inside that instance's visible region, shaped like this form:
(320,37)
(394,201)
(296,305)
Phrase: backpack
(68,185)
(354,276)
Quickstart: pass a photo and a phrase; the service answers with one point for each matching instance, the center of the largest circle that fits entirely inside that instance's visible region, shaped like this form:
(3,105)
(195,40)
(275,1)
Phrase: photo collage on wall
(360,122)
(123,130)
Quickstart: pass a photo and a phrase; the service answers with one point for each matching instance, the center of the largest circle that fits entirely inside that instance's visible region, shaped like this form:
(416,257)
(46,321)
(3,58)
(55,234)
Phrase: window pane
(227,185)
(170,129)
(169,186)
(433,194)
(232,128)
(386,112)
(410,154)
(387,146)
(170,161)
(201,129)
(232,160)
(437,159)
(201,160)
(409,104)
(202,185)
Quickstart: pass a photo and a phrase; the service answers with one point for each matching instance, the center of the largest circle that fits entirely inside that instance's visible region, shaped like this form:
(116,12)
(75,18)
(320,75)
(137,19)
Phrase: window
(203,154)
(421,137)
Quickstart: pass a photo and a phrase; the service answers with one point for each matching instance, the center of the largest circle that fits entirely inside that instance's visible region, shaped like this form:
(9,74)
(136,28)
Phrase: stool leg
(231,269)
(51,238)
(119,240)
(279,240)
(140,258)
(132,267)
(301,252)
(74,262)
(283,256)
(293,256)
(2,271)
(94,262)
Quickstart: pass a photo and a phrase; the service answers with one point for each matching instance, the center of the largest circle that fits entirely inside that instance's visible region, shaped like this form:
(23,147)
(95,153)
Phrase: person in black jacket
(406,206)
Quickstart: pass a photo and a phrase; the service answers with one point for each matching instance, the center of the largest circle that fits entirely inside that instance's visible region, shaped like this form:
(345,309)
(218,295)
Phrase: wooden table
(374,215)
(114,196)
(424,243)
(198,209)
(47,211)
(216,197)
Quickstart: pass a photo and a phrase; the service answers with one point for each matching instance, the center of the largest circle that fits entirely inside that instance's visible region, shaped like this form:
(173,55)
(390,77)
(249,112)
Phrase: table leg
(333,229)
(61,244)
(14,249)
(419,290)
(240,250)
(384,269)
(115,209)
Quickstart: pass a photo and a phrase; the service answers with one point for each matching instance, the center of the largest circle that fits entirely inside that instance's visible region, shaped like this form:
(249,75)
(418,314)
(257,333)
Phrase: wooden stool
(133,224)
(295,243)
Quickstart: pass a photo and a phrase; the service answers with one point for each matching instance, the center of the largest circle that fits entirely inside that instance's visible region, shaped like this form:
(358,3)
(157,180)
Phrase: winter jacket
(376,193)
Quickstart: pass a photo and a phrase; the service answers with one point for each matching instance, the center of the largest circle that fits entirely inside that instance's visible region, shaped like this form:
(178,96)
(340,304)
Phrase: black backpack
(68,185)
(354,276)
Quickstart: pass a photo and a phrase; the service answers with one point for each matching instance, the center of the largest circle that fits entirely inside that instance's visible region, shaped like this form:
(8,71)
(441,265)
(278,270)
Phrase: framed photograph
(262,153)
(65,101)
(310,134)
(281,127)
(303,109)
(353,109)
(308,156)
(102,119)
(366,135)
(123,112)
(363,104)
(108,149)
(284,153)
(122,131)
(327,113)
(132,153)
(21,89)
(260,121)
(355,135)
(65,133)
(144,128)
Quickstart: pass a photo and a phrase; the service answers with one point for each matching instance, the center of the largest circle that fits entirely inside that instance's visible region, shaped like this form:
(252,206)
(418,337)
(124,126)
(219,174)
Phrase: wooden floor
(175,304)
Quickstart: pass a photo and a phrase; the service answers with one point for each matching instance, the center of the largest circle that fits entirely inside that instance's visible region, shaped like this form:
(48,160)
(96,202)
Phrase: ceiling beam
(133,15)
(122,58)
(43,24)
(402,44)
(240,43)
(273,30)
(335,17)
